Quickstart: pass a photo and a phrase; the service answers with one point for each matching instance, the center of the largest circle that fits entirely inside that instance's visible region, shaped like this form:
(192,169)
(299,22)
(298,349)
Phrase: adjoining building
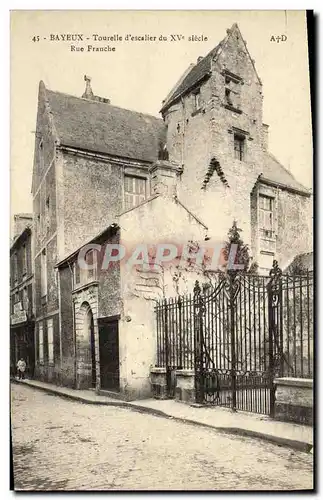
(22,322)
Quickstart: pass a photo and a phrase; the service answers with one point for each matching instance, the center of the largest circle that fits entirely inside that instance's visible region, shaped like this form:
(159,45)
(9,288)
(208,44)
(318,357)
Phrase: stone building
(215,132)
(91,159)
(107,174)
(21,295)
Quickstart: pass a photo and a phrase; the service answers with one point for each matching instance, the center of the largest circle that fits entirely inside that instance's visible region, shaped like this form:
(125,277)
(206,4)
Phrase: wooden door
(109,354)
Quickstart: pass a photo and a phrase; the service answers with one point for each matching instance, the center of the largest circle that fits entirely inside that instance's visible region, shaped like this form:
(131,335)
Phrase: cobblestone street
(66,445)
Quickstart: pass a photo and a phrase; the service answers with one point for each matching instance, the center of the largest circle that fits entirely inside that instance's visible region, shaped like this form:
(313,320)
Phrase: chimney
(199,59)
(164,178)
(20,223)
(88,94)
(265,133)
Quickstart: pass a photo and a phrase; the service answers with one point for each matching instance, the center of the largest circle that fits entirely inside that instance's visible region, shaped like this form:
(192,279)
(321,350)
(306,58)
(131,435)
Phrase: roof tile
(99,127)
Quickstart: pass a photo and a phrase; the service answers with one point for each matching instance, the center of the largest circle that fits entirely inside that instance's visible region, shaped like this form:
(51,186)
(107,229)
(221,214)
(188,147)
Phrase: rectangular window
(77,274)
(24,259)
(40,343)
(43,274)
(50,341)
(135,191)
(197,99)
(25,300)
(15,267)
(266,216)
(90,259)
(239,147)
(232,91)
(228,97)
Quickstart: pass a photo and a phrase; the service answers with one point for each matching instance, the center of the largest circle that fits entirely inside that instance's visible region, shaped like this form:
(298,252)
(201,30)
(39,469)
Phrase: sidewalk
(296,436)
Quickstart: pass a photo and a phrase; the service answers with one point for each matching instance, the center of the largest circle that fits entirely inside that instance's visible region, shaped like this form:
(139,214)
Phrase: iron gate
(237,335)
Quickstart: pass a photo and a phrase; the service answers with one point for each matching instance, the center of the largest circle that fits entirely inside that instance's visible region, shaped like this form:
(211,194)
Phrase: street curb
(280,441)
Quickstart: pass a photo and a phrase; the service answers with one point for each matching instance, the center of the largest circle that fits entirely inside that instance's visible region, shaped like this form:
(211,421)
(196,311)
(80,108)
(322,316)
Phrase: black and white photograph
(161,250)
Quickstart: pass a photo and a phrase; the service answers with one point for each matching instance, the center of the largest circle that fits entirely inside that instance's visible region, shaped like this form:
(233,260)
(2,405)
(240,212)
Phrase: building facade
(22,322)
(91,160)
(98,166)
(215,132)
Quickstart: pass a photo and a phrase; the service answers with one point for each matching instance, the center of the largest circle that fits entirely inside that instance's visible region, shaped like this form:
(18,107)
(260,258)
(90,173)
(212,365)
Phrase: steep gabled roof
(99,127)
(202,69)
(274,171)
(198,72)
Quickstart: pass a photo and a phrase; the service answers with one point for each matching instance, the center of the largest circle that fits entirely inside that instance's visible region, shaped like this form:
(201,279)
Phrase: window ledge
(267,252)
(232,108)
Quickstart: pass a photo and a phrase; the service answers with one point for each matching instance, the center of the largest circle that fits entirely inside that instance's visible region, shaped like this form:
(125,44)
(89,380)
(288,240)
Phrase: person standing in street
(21,366)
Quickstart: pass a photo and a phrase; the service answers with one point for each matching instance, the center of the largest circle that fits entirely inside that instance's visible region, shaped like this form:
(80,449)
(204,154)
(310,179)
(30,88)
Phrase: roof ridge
(236,26)
(174,94)
(288,171)
(105,103)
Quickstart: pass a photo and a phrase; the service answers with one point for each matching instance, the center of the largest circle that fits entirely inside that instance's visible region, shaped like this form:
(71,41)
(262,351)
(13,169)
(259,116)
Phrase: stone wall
(92,197)
(294,400)
(45,237)
(151,223)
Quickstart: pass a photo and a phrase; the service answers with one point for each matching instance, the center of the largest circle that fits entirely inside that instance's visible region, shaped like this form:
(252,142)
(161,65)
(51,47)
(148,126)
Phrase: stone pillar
(185,386)
(164,177)
(158,382)
(294,400)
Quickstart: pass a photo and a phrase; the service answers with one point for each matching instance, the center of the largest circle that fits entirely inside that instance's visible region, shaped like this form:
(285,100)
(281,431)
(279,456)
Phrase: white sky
(139,75)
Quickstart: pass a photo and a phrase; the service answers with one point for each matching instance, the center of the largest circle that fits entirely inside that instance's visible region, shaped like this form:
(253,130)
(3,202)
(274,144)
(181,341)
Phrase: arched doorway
(88,333)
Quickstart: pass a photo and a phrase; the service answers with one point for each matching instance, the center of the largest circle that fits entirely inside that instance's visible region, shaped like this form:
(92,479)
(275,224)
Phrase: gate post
(273,301)
(232,291)
(198,343)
